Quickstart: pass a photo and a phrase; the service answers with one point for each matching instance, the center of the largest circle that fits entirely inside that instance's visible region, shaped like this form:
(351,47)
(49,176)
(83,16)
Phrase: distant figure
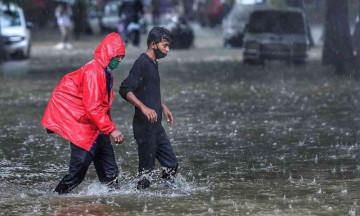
(79,18)
(130,12)
(142,89)
(155,11)
(63,13)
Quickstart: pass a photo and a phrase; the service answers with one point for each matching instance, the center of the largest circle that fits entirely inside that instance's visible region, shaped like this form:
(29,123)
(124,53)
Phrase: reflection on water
(249,141)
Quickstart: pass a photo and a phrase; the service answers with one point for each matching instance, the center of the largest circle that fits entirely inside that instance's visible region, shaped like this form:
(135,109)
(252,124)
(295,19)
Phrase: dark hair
(156,34)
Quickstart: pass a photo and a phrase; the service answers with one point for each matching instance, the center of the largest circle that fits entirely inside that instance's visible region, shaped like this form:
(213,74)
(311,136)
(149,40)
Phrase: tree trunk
(2,52)
(357,40)
(338,50)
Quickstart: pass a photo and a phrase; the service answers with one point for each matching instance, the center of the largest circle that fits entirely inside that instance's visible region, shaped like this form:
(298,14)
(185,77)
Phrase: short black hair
(156,34)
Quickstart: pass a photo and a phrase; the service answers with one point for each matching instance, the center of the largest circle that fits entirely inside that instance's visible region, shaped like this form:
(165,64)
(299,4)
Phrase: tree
(338,49)
(2,52)
(357,40)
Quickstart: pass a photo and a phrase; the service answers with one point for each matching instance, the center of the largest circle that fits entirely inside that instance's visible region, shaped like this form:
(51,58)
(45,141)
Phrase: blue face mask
(113,64)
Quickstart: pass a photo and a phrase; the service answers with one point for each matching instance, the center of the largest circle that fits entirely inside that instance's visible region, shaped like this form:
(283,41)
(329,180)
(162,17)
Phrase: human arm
(117,136)
(130,85)
(149,113)
(168,115)
(95,111)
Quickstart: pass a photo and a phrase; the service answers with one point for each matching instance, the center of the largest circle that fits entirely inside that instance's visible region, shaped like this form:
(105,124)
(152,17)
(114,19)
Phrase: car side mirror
(29,25)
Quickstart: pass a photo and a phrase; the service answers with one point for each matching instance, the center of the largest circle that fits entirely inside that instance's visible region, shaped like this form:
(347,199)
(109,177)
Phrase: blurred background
(264,93)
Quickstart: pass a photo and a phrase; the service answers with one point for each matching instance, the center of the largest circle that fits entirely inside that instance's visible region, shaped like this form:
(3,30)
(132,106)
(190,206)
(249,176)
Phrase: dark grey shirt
(144,81)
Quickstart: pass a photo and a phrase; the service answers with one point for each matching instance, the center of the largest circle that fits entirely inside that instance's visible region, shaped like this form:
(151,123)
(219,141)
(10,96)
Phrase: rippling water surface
(274,141)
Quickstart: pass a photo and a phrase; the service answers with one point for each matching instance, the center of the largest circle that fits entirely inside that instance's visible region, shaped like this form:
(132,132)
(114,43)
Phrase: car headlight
(13,39)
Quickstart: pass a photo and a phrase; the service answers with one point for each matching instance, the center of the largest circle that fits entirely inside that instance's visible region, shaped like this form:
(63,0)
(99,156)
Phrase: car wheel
(25,54)
(254,62)
(28,52)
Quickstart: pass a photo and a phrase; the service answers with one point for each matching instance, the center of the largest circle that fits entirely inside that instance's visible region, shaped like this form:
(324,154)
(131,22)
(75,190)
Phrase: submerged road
(279,140)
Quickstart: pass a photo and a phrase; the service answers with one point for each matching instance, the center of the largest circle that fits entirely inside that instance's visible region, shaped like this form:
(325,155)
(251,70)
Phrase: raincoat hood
(111,46)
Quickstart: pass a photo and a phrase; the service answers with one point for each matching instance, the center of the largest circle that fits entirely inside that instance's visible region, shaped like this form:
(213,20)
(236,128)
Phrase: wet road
(279,140)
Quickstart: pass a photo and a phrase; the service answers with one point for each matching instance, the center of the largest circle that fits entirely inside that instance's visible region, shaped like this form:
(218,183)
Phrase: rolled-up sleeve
(132,82)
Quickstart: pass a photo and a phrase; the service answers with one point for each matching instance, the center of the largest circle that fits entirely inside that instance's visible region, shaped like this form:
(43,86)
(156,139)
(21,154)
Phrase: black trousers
(158,147)
(104,160)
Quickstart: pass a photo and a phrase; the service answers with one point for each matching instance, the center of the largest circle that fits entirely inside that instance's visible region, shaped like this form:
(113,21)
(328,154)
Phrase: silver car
(14,31)
(233,24)
(279,34)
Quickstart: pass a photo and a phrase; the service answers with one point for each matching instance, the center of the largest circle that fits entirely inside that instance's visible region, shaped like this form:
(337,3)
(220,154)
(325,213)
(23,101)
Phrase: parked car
(276,34)
(14,31)
(233,24)
(182,33)
(110,19)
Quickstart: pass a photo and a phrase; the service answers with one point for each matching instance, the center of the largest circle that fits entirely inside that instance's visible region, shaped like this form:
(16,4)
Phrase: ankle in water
(143,184)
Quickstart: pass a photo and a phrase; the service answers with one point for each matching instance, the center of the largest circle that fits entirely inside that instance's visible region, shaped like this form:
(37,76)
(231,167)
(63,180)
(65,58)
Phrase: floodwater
(279,140)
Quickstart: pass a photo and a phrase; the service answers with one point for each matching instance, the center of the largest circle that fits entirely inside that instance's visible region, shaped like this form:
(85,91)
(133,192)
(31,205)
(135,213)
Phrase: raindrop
(291,180)
(210,210)
(352,212)
(145,208)
(302,142)
(344,191)
(212,199)
(333,171)
(316,160)
(320,191)
(313,182)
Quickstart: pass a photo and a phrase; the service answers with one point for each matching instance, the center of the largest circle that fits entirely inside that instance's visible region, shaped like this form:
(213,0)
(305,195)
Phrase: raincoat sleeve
(132,82)
(93,97)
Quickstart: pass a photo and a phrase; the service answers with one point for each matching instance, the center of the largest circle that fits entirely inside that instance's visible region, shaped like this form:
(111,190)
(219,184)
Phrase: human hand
(150,114)
(168,115)
(117,136)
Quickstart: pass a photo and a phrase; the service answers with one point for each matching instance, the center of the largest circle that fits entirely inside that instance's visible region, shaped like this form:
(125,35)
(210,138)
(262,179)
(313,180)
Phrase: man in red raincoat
(79,111)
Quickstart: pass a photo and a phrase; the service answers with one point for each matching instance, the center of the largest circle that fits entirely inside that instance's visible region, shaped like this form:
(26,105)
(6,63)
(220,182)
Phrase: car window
(276,22)
(250,2)
(111,10)
(9,18)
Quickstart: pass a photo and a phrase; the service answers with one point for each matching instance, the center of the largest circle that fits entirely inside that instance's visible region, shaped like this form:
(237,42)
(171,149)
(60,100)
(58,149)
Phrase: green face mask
(113,64)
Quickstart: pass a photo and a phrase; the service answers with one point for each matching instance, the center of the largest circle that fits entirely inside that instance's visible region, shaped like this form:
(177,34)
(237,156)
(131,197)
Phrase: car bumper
(273,54)
(16,47)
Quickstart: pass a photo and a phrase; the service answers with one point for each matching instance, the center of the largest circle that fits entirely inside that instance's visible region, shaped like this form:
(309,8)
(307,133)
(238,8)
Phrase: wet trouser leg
(166,156)
(147,154)
(157,146)
(105,163)
(79,163)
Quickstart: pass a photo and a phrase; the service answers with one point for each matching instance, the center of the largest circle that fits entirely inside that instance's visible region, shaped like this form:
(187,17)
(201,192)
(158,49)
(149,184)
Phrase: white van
(233,24)
(279,34)
(14,31)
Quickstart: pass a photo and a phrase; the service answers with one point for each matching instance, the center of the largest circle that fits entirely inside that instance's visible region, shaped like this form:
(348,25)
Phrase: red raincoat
(79,107)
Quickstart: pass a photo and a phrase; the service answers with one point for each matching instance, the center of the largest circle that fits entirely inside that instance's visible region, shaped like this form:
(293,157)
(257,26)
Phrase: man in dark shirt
(142,89)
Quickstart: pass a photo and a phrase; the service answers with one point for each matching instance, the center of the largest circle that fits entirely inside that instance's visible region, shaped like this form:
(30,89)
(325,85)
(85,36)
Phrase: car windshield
(111,10)
(9,18)
(251,2)
(276,22)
